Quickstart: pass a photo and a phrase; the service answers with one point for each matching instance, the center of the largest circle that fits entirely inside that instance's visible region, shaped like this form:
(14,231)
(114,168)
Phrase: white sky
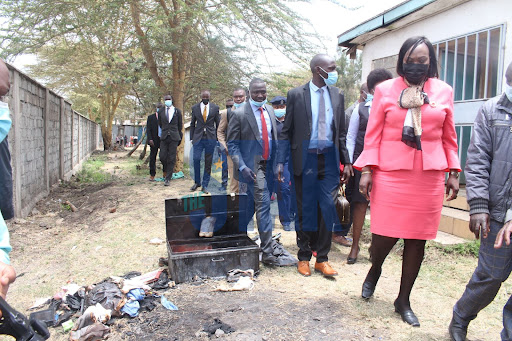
(327,17)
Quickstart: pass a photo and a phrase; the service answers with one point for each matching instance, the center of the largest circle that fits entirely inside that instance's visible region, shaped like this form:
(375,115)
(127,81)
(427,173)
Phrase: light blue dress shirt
(353,129)
(5,246)
(315,103)
(257,116)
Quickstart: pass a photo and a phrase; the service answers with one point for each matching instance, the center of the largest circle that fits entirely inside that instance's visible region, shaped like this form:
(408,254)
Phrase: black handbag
(342,206)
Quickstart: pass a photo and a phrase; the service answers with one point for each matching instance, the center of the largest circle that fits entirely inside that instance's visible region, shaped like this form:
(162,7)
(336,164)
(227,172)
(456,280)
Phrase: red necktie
(264,134)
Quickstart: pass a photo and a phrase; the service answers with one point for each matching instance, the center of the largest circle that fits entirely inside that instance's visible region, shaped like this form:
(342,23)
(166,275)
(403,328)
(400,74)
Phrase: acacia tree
(91,61)
(182,29)
(172,35)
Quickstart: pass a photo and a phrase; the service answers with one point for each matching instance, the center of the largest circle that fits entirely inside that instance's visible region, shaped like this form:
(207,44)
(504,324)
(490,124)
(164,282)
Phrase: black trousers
(316,191)
(152,161)
(168,155)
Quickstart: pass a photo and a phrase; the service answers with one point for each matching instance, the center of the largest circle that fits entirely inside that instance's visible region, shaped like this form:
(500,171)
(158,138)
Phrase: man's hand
(7,276)
(365,184)
(348,171)
(280,172)
(452,184)
(151,143)
(248,175)
(479,221)
(504,232)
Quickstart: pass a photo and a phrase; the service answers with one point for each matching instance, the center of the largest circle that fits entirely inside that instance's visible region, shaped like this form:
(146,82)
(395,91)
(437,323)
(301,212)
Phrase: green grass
(91,171)
(465,249)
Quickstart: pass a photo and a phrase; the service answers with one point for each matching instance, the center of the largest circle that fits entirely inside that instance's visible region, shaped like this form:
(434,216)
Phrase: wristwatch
(455,174)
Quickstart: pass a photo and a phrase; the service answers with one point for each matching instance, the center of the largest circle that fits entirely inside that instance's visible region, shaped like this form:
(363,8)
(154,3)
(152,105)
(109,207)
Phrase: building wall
(461,20)
(48,140)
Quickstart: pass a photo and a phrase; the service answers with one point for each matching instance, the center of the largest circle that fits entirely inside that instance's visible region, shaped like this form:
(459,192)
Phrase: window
(472,64)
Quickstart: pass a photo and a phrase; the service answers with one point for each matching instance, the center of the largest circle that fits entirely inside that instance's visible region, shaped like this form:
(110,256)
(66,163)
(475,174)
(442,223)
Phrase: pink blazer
(383,146)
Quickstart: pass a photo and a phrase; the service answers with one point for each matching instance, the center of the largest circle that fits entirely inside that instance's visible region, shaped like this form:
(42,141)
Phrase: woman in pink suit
(410,143)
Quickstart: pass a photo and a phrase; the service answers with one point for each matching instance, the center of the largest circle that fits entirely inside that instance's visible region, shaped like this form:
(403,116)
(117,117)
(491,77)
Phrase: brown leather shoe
(303,267)
(325,269)
(341,240)
(152,178)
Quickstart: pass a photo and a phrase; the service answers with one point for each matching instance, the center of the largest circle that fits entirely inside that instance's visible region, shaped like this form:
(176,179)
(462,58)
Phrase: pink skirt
(407,203)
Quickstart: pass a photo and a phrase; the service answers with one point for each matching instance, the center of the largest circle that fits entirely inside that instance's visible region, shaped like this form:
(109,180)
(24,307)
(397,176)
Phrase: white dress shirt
(202,105)
(353,129)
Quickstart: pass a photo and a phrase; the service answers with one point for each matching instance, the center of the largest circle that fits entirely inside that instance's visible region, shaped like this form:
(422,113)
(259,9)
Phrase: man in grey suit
(314,129)
(203,134)
(252,145)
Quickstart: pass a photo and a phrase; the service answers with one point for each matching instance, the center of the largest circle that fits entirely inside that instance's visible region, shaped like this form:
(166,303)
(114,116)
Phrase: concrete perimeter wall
(48,140)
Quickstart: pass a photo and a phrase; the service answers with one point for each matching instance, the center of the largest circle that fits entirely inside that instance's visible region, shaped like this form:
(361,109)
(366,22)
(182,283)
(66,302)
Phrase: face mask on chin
(258,104)
(238,105)
(205,101)
(415,73)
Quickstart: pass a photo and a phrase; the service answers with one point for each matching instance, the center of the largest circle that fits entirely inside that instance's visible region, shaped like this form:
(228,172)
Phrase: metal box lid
(184,215)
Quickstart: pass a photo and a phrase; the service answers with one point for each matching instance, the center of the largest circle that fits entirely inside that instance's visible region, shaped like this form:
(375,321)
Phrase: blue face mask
(279,112)
(332,77)
(5,120)
(369,98)
(258,104)
(168,102)
(238,105)
(508,92)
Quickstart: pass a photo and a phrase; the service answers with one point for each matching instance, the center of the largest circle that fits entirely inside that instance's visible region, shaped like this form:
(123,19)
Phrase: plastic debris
(243,283)
(168,304)
(178,175)
(67,326)
(156,241)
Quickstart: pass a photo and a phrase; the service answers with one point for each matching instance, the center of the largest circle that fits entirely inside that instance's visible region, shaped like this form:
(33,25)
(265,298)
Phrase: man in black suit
(153,136)
(171,123)
(203,134)
(314,128)
(252,145)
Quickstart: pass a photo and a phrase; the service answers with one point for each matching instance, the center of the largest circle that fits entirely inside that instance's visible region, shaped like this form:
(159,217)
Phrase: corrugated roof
(399,16)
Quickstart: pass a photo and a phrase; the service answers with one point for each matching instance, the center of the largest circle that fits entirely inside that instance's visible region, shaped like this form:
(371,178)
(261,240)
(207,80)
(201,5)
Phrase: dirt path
(54,246)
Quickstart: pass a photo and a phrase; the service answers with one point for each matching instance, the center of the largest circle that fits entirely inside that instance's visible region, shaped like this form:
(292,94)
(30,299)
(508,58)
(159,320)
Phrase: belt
(319,151)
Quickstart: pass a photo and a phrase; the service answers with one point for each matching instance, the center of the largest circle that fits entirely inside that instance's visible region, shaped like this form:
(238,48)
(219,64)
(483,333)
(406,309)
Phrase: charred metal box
(191,256)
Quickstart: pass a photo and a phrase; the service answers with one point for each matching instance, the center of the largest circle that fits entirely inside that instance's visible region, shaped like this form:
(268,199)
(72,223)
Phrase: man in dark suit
(203,134)
(171,123)
(252,145)
(153,133)
(314,128)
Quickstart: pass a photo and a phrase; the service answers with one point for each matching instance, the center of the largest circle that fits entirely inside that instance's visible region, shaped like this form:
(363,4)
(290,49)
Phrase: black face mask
(205,101)
(415,73)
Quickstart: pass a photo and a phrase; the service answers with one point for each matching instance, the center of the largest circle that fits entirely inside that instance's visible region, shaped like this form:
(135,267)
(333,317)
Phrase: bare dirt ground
(54,246)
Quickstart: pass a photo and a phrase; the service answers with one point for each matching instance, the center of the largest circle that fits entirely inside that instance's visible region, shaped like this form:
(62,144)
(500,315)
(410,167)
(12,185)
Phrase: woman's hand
(452,184)
(365,184)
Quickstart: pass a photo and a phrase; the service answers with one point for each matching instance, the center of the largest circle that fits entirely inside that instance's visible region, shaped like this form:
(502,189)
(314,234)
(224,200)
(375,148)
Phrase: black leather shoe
(368,289)
(167,183)
(408,316)
(204,190)
(457,331)
(193,188)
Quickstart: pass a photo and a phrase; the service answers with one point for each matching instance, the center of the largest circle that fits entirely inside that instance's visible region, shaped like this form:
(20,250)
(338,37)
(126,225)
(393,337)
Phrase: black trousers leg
(152,160)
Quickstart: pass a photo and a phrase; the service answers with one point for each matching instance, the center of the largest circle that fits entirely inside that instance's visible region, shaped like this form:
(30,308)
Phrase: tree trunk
(144,150)
(137,145)
(106,134)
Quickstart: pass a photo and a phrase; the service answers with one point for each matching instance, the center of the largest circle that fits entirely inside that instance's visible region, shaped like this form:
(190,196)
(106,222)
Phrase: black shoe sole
(368,290)
(408,316)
